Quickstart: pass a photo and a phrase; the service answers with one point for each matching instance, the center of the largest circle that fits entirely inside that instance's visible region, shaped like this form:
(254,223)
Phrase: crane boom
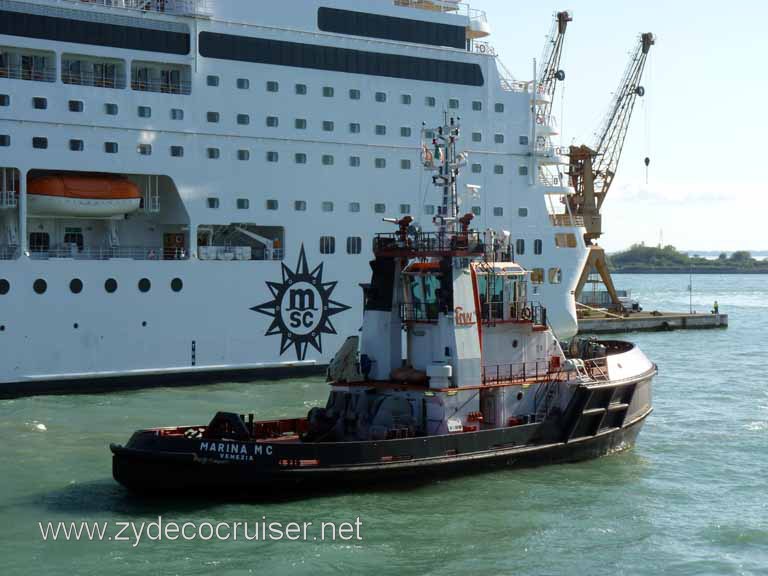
(549,71)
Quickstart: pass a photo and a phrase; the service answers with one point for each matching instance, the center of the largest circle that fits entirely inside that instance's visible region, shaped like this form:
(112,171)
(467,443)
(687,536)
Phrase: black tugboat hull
(186,473)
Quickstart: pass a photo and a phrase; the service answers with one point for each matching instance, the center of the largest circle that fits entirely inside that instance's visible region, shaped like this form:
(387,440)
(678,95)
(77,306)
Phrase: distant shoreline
(695,271)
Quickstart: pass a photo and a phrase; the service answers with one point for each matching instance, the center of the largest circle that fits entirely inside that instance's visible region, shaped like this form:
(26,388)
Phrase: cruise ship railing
(9,252)
(34,74)
(107,253)
(160,86)
(95,80)
(179,7)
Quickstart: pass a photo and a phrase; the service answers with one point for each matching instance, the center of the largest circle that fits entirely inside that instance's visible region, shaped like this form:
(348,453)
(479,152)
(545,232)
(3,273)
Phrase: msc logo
(301,308)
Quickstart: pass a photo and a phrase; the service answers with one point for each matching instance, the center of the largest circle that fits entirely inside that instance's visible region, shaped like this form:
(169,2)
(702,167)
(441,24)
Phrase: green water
(692,498)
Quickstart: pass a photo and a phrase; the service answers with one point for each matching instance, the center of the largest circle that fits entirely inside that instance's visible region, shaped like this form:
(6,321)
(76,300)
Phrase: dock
(607,323)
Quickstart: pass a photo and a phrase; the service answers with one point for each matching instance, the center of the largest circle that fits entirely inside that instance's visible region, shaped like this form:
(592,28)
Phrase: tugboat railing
(522,372)
(429,243)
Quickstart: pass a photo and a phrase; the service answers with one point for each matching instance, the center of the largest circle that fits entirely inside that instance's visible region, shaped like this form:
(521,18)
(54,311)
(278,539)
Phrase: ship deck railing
(429,243)
(108,253)
(177,7)
(96,80)
(521,372)
(24,73)
(165,87)
(9,252)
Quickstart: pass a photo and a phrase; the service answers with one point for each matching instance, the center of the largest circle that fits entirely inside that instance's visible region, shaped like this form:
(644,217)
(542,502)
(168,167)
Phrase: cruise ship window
(300,158)
(328,126)
(110,147)
(380,163)
(537,276)
(243,119)
(354,245)
(354,161)
(212,117)
(477,168)
(244,155)
(477,137)
(5,140)
(273,86)
(272,121)
(477,106)
(212,81)
(301,124)
(144,112)
(381,130)
(430,101)
(498,169)
(429,209)
(5,100)
(75,105)
(498,138)
(243,84)
(40,103)
(405,131)
(522,212)
(405,99)
(354,207)
(405,164)
(429,134)
(110,109)
(327,206)
(379,208)
(300,206)
(328,91)
(327,160)
(327,245)
(523,140)
(555,276)
(110,285)
(301,89)
(243,203)
(213,153)
(213,203)
(522,170)
(520,246)
(39,142)
(354,94)
(498,211)
(177,114)
(272,204)
(144,285)
(381,96)
(272,156)
(177,151)
(499,107)
(476,210)
(453,104)
(405,208)
(76,145)
(144,149)
(538,247)
(39,241)
(354,128)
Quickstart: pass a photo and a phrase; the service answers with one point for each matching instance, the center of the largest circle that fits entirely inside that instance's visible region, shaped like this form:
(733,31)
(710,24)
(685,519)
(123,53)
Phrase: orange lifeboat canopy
(82,196)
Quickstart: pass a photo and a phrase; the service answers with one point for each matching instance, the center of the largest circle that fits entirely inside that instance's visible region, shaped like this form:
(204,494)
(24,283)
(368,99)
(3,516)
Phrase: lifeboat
(83,196)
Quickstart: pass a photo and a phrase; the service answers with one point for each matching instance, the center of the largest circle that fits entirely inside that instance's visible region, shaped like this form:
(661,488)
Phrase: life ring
(527,313)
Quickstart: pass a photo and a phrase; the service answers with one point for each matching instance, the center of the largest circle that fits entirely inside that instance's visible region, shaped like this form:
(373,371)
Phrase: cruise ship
(174,176)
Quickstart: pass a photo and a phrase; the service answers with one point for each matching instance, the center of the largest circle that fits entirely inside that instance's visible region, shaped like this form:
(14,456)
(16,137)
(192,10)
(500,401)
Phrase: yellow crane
(591,170)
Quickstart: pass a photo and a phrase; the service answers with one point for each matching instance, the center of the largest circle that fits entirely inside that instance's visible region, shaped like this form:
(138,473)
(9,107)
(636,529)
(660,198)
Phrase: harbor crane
(592,170)
(550,72)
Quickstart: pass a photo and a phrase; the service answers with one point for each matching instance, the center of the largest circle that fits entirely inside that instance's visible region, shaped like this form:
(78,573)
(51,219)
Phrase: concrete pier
(650,322)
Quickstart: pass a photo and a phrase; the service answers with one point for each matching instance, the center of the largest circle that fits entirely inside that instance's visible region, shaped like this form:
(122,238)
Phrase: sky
(701,122)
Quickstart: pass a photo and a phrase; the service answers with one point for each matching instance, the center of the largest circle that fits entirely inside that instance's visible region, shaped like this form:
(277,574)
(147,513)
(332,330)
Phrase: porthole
(110,286)
(5,287)
(144,285)
(2,328)
(40,286)
(144,324)
(514,343)
(76,326)
(519,396)
(177,285)
(76,286)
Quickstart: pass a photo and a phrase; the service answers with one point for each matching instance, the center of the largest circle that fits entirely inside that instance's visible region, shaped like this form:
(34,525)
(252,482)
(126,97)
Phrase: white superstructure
(252,130)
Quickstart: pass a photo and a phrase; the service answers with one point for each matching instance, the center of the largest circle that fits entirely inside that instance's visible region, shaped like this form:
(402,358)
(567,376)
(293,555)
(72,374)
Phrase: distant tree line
(649,259)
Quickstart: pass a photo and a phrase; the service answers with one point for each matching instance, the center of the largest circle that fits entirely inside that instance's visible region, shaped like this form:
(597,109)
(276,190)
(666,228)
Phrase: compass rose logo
(301,308)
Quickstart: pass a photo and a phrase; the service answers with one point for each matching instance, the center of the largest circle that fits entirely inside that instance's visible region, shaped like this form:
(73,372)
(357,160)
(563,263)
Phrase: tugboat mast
(447,163)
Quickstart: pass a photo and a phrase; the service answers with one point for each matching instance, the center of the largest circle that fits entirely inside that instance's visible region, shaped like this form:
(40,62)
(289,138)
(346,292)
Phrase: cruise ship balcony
(177,7)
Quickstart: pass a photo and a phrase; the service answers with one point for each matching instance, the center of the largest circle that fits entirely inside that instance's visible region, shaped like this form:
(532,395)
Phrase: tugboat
(485,382)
